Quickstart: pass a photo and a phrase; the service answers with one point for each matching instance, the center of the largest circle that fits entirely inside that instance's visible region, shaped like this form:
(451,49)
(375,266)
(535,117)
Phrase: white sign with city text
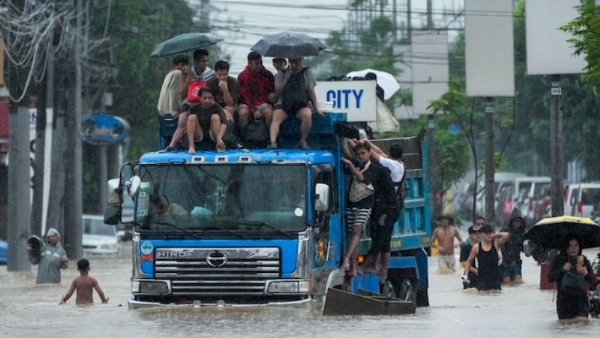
(355,98)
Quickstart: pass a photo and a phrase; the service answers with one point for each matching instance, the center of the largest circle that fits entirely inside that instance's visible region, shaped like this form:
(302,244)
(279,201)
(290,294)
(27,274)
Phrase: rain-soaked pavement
(29,310)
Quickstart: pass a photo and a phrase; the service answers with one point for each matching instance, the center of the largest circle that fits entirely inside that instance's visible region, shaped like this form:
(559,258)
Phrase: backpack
(193,89)
(385,193)
(294,95)
(403,189)
(256,134)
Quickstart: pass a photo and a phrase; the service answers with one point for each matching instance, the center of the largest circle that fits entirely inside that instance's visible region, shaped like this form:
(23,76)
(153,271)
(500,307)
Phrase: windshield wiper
(215,228)
(266,225)
(175,227)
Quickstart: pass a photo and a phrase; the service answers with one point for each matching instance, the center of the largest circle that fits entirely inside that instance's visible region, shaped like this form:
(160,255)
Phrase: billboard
(489,48)
(548,51)
(429,68)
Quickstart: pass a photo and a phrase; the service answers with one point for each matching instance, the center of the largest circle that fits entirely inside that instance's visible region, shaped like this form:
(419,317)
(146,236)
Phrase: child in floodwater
(84,285)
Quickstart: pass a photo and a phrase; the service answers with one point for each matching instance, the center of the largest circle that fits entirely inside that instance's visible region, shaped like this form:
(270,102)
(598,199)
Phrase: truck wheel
(407,291)
(387,290)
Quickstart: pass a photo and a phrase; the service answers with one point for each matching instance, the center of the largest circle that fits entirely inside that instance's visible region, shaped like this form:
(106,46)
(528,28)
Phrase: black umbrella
(185,42)
(288,45)
(554,232)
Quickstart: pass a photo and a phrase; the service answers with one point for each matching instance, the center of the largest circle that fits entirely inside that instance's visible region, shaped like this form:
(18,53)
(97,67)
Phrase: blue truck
(262,226)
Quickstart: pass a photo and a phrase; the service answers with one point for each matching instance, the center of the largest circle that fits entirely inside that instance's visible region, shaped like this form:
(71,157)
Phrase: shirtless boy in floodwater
(84,285)
(445,235)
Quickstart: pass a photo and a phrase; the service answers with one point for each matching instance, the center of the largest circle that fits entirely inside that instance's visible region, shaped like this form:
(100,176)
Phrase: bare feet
(192,151)
(170,148)
(382,275)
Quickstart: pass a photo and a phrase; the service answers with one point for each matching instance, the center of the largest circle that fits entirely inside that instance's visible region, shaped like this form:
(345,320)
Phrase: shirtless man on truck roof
(445,235)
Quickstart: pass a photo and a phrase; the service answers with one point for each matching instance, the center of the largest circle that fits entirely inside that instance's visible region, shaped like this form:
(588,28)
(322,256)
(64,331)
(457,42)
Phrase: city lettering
(341,98)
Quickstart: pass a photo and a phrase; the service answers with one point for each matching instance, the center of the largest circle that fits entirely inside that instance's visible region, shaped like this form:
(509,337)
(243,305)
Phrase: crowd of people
(219,111)
(491,260)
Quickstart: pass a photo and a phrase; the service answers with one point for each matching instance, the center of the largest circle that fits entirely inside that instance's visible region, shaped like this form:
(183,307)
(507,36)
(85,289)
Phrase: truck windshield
(227,197)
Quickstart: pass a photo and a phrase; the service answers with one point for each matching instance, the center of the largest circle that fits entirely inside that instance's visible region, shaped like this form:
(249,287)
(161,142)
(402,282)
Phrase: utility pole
(429,14)
(556,148)
(205,15)
(38,164)
(490,161)
(431,127)
(73,179)
(19,205)
(409,21)
(395,21)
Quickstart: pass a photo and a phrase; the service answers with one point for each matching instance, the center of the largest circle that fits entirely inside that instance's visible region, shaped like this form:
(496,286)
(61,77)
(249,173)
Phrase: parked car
(535,196)
(569,194)
(581,199)
(99,238)
(502,179)
(543,207)
(3,252)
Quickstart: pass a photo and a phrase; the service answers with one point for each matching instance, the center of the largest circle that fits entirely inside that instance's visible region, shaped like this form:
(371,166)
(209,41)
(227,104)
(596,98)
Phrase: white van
(581,199)
(535,194)
(502,180)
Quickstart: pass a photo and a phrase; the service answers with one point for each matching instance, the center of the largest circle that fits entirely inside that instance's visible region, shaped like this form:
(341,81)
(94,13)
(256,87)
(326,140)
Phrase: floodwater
(27,310)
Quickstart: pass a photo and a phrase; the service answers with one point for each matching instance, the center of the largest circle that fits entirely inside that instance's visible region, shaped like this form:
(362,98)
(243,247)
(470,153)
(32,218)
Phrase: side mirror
(115,193)
(112,214)
(322,197)
(133,185)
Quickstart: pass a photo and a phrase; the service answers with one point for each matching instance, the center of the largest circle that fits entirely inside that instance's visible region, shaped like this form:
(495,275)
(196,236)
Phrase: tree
(586,40)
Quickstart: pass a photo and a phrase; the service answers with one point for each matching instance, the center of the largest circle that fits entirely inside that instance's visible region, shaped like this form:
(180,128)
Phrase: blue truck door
(326,239)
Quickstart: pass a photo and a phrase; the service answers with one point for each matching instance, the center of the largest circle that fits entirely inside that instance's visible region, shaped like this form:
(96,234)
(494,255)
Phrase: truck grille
(217,271)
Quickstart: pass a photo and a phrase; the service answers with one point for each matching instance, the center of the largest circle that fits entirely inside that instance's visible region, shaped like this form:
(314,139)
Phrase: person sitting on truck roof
(387,209)
(256,83)
(207,122)
(294,93)
(198,72)
(360,199)
(225,88)
(379,92)
(169,100)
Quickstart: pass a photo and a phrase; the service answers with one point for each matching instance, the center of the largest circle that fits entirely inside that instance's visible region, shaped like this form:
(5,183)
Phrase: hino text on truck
(267,226)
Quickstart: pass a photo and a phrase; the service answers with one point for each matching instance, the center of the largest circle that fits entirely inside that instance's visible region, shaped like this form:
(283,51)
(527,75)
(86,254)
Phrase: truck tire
(387,290)
(407,291)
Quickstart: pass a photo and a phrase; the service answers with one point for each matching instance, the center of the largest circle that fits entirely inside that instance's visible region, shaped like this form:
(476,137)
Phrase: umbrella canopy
(553,232)
(185,42)
(288,45)
(384,80)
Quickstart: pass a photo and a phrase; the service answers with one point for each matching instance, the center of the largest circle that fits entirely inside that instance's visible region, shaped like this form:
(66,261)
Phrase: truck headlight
(150,287)
(135,286)
(289,287)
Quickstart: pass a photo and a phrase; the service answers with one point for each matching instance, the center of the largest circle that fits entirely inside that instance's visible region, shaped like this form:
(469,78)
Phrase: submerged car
(99,238)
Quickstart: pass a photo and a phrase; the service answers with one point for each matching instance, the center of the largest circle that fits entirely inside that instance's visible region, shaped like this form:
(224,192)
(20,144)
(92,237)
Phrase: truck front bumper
(304,304)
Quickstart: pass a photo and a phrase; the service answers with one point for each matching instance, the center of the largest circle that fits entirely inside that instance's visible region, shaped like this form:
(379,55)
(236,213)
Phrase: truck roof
(282,156)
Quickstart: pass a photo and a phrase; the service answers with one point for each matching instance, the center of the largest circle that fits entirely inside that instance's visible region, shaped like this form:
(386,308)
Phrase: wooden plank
(343,303)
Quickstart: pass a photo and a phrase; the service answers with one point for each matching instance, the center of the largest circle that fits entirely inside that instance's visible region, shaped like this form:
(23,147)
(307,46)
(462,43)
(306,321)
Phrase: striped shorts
(357,216)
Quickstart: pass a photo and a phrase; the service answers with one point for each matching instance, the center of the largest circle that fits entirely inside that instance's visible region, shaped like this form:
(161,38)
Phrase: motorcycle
(594,289)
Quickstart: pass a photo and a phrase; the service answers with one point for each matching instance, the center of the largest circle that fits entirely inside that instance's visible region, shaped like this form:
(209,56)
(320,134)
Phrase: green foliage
(134,28)
(586,40)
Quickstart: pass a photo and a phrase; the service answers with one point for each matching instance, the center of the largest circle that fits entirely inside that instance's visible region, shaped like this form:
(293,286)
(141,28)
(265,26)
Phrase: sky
(241,23)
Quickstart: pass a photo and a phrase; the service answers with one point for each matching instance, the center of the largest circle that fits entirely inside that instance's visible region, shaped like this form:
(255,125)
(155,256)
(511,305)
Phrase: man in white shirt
(384,215)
